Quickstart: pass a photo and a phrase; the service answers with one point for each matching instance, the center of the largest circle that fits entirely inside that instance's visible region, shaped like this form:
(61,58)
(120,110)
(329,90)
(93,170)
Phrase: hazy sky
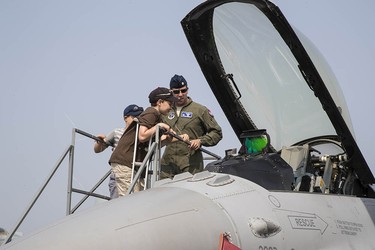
(77,64)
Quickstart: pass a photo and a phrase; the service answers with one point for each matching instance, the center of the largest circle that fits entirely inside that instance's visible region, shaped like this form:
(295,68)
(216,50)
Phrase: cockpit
(319,165)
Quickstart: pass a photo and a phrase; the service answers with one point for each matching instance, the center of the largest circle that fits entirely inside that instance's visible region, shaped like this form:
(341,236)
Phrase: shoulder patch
(209,112)
(171,115)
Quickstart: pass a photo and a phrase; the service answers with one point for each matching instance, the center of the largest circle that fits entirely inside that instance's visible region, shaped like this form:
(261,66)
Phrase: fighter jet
(299,181)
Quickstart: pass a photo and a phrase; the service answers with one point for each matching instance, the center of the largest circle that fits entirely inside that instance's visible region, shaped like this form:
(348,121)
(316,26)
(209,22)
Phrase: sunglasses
(178,91)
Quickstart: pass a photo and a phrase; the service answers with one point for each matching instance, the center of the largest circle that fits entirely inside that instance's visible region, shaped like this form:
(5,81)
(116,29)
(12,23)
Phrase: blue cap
(133,110)
(177,82)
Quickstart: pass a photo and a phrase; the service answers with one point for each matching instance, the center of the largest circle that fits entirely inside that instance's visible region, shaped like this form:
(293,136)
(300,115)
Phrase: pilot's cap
(133,110)
(177,82)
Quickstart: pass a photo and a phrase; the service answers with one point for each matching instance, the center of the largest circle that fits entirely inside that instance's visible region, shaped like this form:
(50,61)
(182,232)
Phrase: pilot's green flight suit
(196,121)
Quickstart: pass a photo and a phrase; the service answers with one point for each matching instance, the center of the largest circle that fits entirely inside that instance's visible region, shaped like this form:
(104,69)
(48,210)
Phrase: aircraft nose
(158,218)
(171,219)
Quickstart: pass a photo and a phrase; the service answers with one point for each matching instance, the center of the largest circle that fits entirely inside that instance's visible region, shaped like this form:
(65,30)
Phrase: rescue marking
(311,222)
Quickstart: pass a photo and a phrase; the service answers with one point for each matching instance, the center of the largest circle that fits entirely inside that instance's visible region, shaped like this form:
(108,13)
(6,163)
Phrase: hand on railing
(185,138)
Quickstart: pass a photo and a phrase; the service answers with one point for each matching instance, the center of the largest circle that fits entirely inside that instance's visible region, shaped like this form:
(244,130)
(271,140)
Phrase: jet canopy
(266,75)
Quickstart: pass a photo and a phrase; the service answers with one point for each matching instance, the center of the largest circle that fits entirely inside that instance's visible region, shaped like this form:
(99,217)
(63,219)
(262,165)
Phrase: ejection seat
(298,158)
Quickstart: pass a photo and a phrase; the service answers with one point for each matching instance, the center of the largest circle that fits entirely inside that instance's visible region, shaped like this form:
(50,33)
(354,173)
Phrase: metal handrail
(151,161)
(70,151)
(36,197)
(91,192)
(70,189)
(149,165)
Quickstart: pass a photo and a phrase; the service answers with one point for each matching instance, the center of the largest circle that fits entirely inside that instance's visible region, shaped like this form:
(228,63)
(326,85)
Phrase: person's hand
(164,127)
(195,144)
(101,136)
(185,137)
(166,138)
(99,145)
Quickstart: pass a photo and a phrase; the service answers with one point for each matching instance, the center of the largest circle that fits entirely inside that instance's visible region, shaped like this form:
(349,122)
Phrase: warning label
(348,227)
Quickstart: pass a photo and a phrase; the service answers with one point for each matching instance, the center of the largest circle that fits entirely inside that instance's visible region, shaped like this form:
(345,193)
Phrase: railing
(153,175)
(11,234)
(150,164)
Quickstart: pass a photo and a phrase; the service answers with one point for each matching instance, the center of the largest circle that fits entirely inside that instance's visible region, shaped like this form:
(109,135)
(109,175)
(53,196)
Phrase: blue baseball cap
(133,110)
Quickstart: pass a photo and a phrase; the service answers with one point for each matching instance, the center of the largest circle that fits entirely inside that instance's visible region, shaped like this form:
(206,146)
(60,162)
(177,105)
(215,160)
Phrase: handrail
(36,197)
(151,161)
(141,168)
(70,151)
(153,168)
(91,192)
(70,189)
(189,143)
(92,137)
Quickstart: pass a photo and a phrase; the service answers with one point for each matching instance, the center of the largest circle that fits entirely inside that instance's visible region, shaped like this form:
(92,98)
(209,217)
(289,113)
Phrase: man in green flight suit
(193,119)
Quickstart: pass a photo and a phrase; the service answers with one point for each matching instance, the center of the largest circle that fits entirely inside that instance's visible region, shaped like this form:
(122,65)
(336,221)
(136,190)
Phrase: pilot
(193,119)
(130,112)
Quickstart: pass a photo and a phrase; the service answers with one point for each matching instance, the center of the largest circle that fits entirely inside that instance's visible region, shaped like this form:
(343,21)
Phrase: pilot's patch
(187,114)
(171,115)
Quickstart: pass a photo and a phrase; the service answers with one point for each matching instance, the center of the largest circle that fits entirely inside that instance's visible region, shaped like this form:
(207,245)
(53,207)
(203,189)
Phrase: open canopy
(266,75)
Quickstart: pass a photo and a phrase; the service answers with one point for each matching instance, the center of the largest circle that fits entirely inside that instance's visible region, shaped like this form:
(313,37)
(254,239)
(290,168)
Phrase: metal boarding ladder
(151,164)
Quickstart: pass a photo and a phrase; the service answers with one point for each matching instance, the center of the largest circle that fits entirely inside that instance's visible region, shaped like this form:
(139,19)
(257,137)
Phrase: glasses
(178,91)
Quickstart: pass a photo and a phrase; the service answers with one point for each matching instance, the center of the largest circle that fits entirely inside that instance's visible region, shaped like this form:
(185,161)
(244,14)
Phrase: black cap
(177,82)
(163,94)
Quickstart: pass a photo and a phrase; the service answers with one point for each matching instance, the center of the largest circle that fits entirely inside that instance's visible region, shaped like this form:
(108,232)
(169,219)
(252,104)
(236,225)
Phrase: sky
(79,63)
